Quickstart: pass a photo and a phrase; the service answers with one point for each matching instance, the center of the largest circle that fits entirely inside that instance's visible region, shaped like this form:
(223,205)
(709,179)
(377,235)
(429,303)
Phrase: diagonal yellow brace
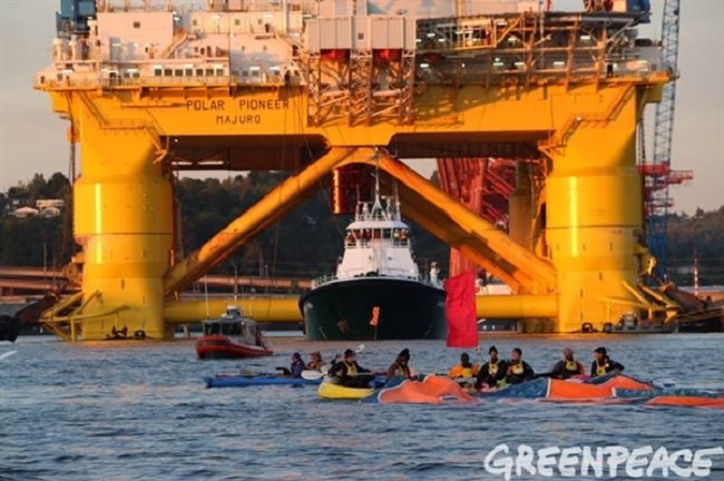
(277,203)
(520,267)
(451,234)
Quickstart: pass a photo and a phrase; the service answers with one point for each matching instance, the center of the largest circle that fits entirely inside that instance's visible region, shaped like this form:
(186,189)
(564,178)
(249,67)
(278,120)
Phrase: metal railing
(147,81)
(392,273)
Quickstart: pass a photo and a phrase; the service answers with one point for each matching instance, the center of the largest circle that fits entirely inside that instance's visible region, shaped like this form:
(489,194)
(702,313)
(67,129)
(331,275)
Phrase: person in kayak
(316,363)
(347,371)
(401,366)
(296,367)
(568,367)
(465,369)
(518,370)
(602,364)
(493,372)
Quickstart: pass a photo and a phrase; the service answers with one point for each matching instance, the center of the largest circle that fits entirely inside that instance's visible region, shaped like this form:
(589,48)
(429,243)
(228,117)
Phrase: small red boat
(231,337)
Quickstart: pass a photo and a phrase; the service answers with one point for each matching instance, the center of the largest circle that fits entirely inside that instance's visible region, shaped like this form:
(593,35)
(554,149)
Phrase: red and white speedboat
(230,337)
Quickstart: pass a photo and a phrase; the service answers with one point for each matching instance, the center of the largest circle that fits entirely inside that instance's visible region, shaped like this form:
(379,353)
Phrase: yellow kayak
(328,390)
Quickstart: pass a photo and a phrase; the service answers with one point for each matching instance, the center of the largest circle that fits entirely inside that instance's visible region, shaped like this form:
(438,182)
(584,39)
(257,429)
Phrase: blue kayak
(222,380)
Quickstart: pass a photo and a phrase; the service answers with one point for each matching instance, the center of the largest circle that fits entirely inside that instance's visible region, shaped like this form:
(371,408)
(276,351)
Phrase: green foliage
(29,242)
(703,232)
(36,241)
(304,244)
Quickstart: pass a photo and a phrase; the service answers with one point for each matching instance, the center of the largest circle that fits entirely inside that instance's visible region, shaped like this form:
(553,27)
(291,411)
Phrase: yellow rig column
(123,220)
(522,217)
(520,208)
(594,220)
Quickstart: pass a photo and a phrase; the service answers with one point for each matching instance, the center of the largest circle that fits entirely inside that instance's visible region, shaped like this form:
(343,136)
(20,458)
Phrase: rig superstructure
(313,86)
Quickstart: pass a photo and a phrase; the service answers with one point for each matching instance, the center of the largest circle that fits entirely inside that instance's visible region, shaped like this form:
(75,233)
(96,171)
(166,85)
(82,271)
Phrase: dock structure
(152,88)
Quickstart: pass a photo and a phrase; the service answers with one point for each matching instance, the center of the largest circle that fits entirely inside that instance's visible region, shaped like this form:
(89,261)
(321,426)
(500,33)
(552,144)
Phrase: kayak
(226,380)
(329,390)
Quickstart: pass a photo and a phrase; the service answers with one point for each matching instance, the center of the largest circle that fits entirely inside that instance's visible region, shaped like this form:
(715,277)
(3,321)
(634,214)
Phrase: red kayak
(232,336)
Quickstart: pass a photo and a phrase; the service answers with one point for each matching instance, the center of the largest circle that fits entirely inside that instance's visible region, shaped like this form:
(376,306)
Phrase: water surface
(116,411)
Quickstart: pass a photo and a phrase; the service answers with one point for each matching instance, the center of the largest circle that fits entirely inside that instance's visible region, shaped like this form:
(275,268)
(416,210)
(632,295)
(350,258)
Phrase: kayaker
(297,365)
(347,371)
(602,364)
(316,363)
(518,370)
(401,366)
(568,367)
(493,372)
(465,369)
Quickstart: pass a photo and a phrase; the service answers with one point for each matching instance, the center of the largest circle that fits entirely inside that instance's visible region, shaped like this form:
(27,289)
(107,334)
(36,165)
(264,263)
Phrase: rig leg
(123,212)
(594,219)
(521,208)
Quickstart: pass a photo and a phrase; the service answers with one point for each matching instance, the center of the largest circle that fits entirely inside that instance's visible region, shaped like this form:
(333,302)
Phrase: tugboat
(377,292)
(232,336)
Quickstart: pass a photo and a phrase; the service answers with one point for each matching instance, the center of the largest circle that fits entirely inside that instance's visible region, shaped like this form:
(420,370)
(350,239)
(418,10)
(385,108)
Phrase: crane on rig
(657,173)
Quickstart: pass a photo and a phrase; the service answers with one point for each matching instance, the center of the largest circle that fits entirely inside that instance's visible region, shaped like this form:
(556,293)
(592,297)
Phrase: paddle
(6,355)
(282,371)
(249,374)
(312,375)
(664,383)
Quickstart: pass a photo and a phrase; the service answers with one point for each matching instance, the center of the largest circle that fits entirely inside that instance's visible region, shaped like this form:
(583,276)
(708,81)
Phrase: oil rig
(321,87)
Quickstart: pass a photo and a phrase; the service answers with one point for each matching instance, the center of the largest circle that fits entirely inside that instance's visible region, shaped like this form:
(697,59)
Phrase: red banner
(462,326)
(375,316)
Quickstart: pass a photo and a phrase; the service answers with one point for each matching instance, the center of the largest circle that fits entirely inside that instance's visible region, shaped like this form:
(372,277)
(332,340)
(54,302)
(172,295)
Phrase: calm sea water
(115,411)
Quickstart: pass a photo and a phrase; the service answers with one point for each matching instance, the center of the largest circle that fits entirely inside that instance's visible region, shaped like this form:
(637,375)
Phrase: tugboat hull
(343,309)
(221,347)
(9,328)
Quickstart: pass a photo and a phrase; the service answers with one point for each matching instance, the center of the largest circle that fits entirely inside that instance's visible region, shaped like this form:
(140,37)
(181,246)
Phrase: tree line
(304,244)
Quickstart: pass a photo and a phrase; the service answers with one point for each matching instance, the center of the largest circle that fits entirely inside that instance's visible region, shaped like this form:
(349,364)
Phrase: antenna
(398,213)
(377,206)
(206,295)
(377,175)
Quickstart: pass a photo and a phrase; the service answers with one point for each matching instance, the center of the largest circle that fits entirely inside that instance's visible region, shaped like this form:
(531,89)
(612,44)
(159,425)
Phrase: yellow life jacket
(467,372)
(493,368)
(601,370)
(517,369)
(351,369)
(571,366)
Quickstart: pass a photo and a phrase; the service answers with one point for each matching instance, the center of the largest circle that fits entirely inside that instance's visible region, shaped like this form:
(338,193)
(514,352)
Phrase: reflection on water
(116,411)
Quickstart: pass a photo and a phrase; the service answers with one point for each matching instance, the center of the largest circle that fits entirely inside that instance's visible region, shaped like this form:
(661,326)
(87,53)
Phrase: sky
(33,139)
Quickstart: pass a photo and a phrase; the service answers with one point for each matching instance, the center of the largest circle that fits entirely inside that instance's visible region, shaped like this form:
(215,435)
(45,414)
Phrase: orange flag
(375,316)
(462,327)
